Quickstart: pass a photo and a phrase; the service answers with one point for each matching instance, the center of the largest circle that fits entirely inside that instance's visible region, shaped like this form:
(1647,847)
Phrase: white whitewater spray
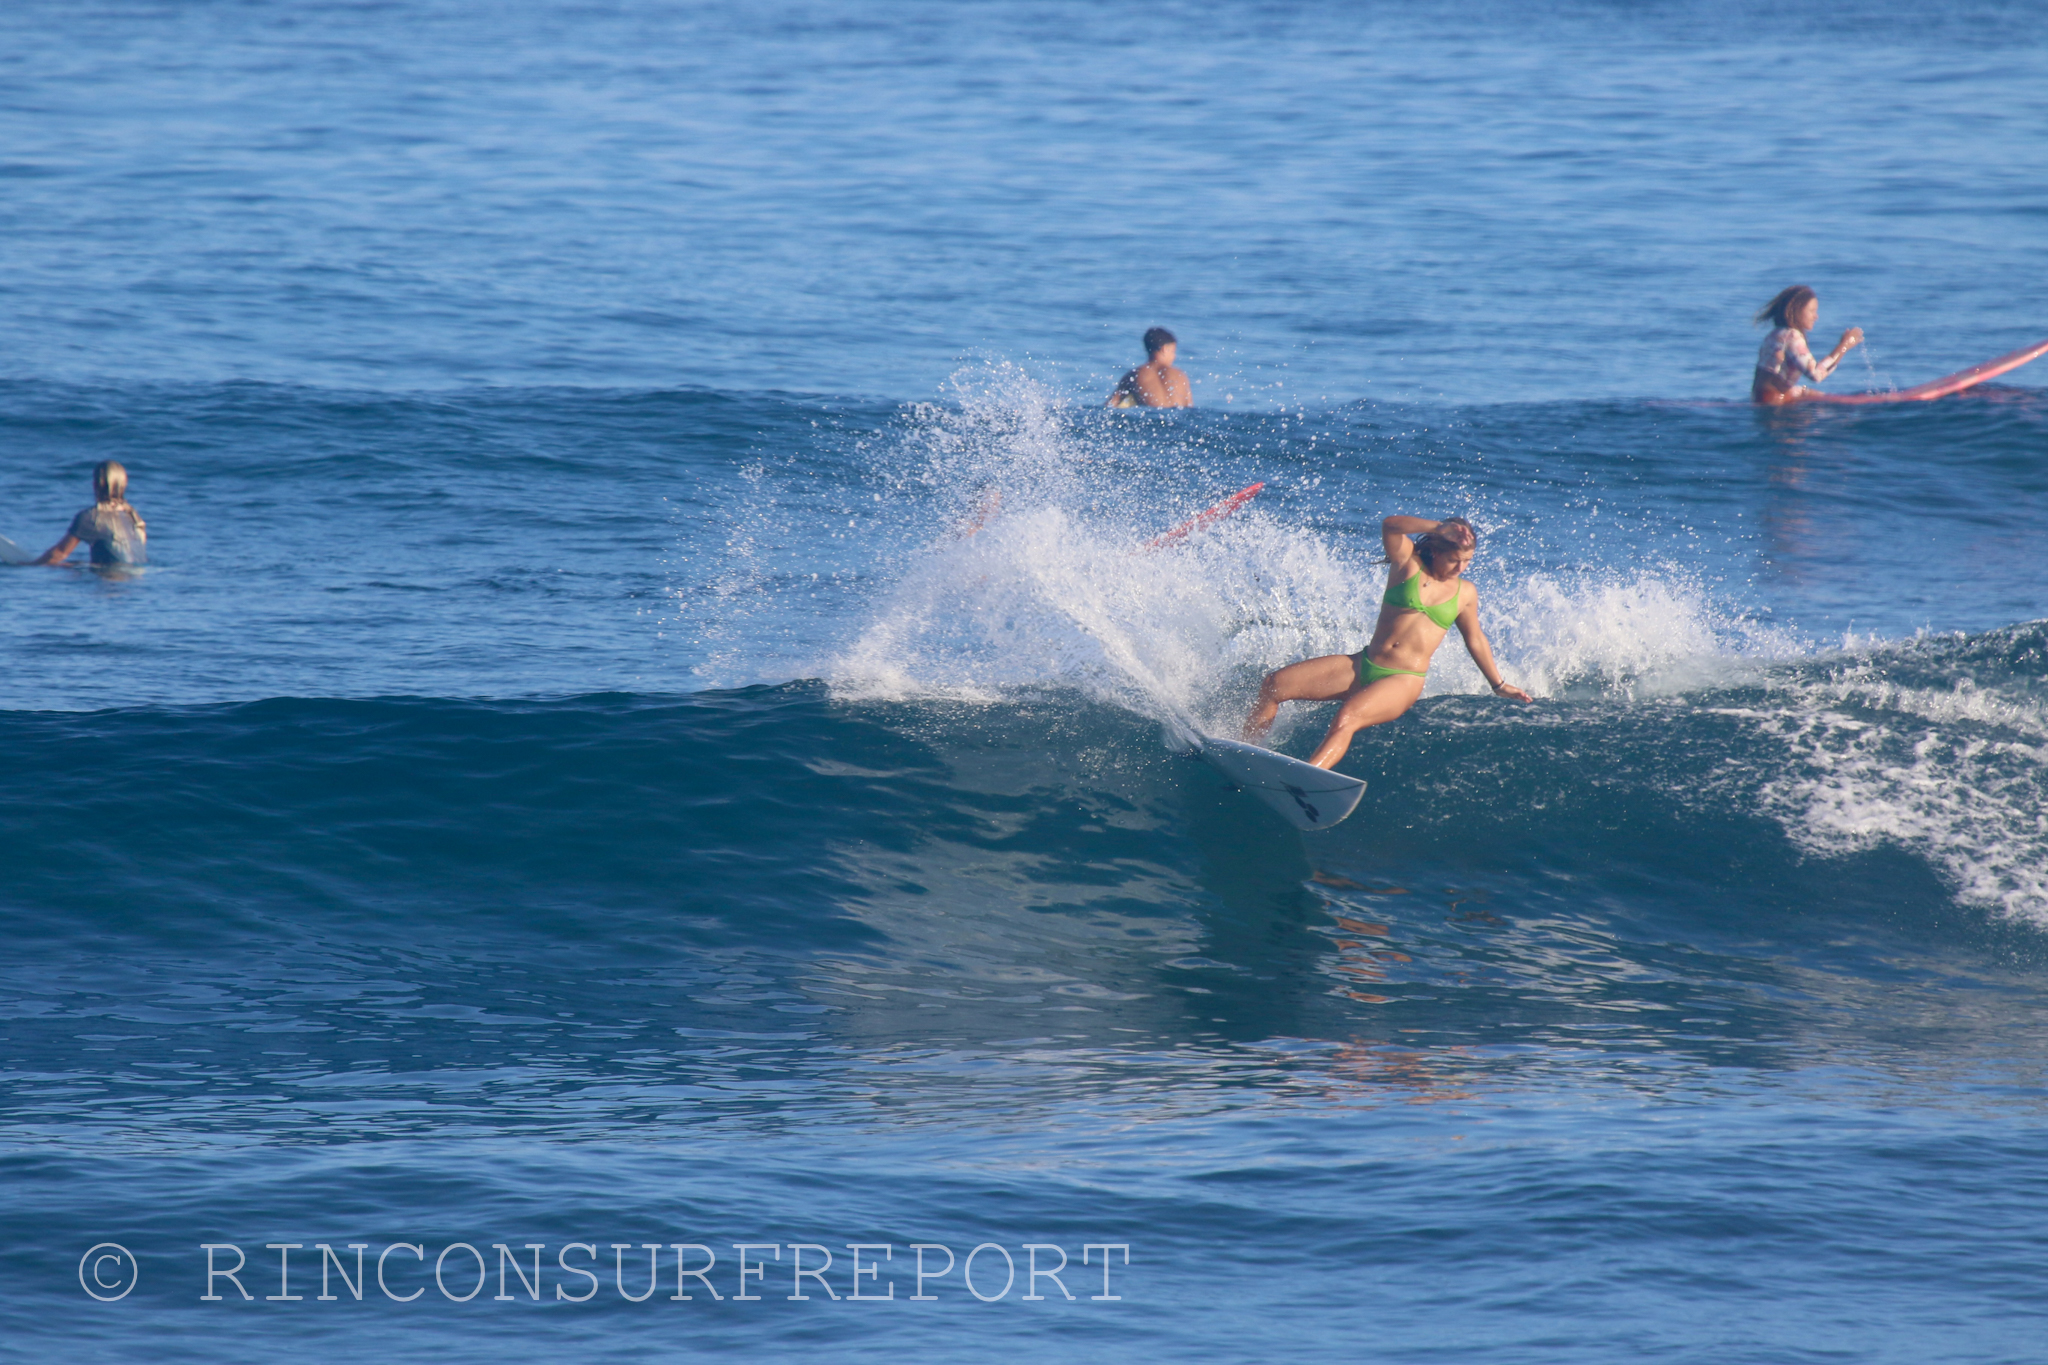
(1014,564)
(1652,633)
(1039,578)
(1036,576)
(1903,744)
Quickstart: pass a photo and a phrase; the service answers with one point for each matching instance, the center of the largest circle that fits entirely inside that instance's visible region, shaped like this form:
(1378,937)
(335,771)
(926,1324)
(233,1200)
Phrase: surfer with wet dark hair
(1783,363)
(1157,383)
(115,531)
(1381,681)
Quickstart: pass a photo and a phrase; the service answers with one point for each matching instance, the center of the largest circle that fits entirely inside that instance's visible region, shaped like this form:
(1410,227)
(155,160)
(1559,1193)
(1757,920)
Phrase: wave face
(701,818)
(652,715)
(455,880)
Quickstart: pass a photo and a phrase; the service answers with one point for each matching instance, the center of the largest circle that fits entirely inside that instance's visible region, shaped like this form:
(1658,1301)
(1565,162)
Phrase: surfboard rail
(1939,388)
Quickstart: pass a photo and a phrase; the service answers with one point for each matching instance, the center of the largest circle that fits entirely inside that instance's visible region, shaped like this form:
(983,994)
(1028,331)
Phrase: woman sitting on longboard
(1425,597)
(1783,363)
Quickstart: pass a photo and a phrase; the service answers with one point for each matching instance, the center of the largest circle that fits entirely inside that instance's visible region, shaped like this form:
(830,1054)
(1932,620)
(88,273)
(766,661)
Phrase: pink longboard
(1938,388)
(1204,518)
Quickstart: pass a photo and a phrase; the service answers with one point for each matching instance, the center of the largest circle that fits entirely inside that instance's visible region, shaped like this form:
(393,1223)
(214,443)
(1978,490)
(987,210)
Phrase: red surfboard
(1201,519)
(1938,388)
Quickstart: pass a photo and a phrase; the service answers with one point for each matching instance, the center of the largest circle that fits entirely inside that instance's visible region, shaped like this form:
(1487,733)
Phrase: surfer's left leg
(1330,678)
(1374,704)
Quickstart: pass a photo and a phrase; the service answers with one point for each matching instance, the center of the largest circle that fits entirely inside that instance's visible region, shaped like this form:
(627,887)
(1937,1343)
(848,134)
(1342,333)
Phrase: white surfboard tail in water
(10,553)
(1306,796)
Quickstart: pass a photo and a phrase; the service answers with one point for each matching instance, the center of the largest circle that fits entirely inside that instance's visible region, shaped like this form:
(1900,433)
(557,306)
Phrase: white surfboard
(1306,796)
(10,553)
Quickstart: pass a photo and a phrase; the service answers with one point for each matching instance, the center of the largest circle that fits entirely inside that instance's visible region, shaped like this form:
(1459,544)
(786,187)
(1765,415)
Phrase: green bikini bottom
(1370,672)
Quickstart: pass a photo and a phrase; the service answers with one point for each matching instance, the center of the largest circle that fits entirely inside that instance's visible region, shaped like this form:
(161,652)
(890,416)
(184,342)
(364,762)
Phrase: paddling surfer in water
(115,531)
(1783,363)
(1426,595)
(1158,383)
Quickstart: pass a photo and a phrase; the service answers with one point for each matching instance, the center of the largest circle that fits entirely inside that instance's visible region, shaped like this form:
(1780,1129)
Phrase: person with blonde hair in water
(1784,366)
(115,531)
(1426,595)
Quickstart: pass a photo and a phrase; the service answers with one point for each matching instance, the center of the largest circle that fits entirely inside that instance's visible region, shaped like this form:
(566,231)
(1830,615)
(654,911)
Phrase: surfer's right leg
(1330,678)
(1376,703)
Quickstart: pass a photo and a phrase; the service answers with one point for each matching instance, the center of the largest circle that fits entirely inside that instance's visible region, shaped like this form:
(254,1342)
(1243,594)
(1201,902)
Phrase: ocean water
(569,802)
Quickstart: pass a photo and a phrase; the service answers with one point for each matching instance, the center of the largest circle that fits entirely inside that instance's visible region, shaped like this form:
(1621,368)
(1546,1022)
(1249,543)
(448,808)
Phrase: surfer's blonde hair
(110,481)
(110,489)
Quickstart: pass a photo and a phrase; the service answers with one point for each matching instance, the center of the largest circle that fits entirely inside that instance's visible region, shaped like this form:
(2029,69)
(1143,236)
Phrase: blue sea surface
(646,742)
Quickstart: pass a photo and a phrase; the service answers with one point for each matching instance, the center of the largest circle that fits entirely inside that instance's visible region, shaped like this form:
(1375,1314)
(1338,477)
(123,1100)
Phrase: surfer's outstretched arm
(57,553)
(1481,651)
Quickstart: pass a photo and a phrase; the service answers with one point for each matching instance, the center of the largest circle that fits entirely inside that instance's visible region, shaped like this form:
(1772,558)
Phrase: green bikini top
(1407,595)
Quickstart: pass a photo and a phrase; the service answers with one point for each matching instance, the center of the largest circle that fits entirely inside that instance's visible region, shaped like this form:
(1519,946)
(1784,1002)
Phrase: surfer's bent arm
(1820,369)
(1394,533)
(57,553)
(1800,359)
(1482,652)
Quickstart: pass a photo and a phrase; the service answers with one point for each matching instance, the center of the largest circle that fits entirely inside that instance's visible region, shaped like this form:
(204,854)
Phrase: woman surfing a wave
(1426,595)
(1783,363)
